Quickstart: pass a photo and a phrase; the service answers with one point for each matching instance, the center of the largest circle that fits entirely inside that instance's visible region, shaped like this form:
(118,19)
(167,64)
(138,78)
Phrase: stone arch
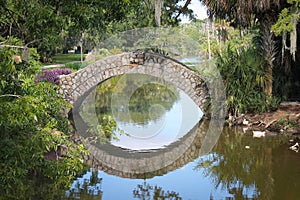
(75,85)
(140,165)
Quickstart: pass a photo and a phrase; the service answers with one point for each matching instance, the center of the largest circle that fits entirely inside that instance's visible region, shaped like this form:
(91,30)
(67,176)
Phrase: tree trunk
(208,38)
(269,49)
(158,4)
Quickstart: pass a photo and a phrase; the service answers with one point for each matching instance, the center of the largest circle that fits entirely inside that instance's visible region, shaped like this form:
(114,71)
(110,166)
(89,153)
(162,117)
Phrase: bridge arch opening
(75,85)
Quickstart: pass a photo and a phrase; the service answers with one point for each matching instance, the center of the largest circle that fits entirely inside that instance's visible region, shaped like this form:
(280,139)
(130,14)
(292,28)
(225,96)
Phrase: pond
(265,170)
(151,150)
(153,120)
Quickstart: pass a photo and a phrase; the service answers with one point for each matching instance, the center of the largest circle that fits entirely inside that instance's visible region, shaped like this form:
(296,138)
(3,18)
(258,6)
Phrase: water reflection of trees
(146,101)
(146,191)
(245,173)
(86,187)
(150,98)
(286,168)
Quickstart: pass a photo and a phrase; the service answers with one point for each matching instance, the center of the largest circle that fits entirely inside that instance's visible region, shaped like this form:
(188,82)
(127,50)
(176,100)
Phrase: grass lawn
(66,58)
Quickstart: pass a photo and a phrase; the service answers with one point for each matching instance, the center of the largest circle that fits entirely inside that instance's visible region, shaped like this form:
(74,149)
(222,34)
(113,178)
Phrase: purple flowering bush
(52,75)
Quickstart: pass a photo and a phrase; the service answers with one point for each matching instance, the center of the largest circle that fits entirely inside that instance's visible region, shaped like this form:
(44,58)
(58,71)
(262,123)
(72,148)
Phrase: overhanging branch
(181,10)
(11,95)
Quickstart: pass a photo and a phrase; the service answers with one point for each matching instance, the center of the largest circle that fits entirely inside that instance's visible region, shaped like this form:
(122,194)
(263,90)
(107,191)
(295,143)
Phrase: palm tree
(242,14)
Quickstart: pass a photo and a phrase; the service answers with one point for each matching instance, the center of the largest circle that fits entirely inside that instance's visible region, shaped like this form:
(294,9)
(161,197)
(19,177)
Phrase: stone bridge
(76,85)
(120,162)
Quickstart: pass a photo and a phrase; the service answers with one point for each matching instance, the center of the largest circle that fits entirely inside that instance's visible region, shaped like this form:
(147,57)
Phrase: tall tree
(46,24)
(51,24)
(287,23)
(243,14)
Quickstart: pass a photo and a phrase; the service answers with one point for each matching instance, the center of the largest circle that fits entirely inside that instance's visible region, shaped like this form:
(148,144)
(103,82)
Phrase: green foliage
(221,35)
(115,51)
(244,74)
(52,26)
(284,124)
(287,17)
(48,25)
(104,131)
(32,123)
(284,22)
(14,71)
(27,126)
(287,23)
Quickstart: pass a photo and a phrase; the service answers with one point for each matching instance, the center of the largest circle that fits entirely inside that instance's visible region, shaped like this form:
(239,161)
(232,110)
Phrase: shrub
(52,76)
(244,74)
(30,113)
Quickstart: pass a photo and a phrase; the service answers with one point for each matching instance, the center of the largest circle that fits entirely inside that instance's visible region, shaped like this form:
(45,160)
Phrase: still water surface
(266,169)
(238,167)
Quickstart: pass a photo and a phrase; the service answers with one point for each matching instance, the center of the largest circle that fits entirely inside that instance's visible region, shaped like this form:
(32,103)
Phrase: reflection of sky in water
(172,125)
(185,181)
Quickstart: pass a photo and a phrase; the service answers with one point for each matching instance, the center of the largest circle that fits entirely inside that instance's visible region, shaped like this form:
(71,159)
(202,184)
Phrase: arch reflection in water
(161,123)
(137,164)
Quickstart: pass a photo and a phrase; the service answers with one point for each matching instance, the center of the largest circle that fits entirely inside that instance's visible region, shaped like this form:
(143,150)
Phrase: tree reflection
(150,98)
(146,191)
(245,173)
(103,131)
(145,102)
(150,102)
(88,187)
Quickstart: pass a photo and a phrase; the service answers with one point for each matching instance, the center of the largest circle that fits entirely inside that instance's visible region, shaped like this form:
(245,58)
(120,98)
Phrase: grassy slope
(66,58)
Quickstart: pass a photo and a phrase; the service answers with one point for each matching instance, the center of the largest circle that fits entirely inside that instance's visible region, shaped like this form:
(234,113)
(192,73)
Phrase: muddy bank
(285,120)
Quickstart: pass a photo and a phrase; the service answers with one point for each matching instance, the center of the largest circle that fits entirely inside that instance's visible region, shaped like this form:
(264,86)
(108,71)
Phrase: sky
(198,9)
